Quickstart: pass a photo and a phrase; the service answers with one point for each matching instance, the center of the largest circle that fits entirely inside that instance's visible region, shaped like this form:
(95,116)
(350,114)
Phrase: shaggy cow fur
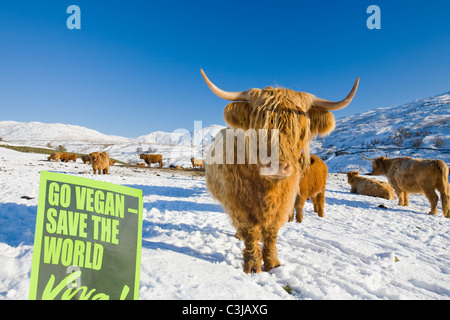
(197,163)
(152,158)
(312,186)
(259,205)
(369,187)
(100,162)
(421,176)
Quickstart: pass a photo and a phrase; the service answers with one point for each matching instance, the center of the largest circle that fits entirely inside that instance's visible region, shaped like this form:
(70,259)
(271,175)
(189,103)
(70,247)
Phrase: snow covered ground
(357,251)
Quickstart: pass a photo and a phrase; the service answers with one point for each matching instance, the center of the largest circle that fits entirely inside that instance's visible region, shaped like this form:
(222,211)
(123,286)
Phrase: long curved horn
(231,96)
(333,106)
(367,158)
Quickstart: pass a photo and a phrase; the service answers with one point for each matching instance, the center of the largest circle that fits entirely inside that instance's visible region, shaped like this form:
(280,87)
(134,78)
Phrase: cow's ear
(237,115)
(321,122)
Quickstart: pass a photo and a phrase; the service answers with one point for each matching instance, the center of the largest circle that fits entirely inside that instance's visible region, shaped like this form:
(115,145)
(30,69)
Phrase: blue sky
(134,67)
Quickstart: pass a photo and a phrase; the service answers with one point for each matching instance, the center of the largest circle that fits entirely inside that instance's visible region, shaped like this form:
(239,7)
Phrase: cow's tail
(444,188)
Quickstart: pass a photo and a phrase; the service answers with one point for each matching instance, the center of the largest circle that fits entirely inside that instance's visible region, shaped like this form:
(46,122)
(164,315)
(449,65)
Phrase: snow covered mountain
(418,129)
(176,147)
(43,133)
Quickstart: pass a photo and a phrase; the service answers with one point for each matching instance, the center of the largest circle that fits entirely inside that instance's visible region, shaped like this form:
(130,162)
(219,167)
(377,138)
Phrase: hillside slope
(419,129)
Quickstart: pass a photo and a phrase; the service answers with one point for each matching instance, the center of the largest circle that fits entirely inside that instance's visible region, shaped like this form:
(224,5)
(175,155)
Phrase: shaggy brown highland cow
(152,158)
(369,187)
(54,156)
(421,176)
(259,204)
(100,162)
(312,185)
(197,163)
(70,157)
(63,156)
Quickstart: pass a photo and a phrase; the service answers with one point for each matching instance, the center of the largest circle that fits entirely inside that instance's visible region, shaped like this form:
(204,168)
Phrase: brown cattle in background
(152,158)
(421,176)
(198,163)
(54,156)
(369,187)
(69,157)
(100,162)
(312,185)
(259,204)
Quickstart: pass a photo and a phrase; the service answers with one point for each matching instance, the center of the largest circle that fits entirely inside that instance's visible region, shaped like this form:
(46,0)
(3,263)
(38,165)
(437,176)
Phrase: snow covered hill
(419,129)
(176,147)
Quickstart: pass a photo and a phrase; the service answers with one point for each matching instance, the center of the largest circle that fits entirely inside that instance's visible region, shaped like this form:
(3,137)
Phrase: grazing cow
(421,176)
(86,158)
(100,162)
(152,158)
(63,156)
(198,163)
(260,201)
(369,187)
(55,156)
(69,157)
(312,186)
(112,162)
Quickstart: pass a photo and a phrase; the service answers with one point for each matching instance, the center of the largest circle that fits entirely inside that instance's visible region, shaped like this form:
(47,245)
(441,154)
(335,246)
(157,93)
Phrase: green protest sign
(88,240)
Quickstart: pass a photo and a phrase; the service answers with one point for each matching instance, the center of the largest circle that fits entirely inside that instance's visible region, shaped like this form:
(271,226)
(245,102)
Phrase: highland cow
(422,176)
(312,186)
(63,156)
(54,156)
(259,202)
(198,163)
(152,158)
(369,187)
(100,162)
(70,157)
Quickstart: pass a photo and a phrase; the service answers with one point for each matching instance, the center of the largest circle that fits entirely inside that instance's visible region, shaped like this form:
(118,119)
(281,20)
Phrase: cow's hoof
(272,265)
(252,268)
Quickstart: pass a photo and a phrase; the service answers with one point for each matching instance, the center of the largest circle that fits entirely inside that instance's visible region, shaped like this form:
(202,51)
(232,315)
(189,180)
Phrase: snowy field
(357,251)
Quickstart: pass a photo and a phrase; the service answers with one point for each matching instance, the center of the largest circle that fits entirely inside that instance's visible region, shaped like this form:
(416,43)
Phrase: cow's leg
(406,198)
(299,203)
(444,190)
(269,251)
(319,203)
(433,198)
(402,196)
(251,252)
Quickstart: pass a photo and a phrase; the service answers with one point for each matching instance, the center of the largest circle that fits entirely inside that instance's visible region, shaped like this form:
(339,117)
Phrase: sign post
(88,240)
